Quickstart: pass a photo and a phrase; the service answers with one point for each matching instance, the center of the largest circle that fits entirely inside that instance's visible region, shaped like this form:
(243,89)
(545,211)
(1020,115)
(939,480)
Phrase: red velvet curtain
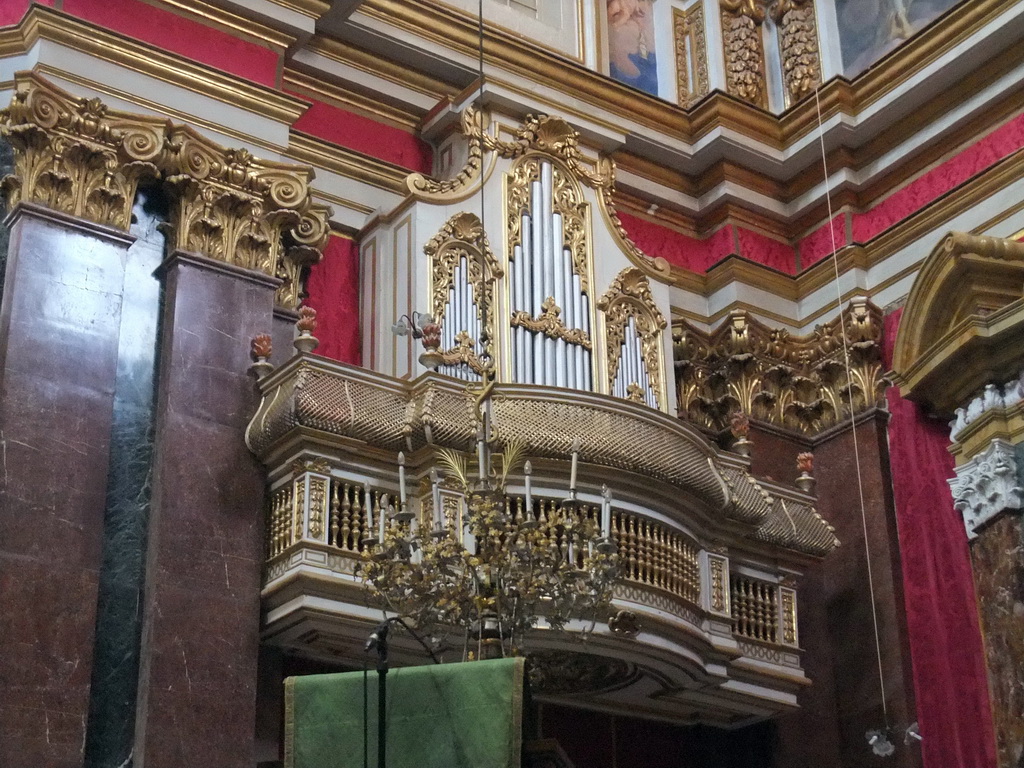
(942,617)
(333,291)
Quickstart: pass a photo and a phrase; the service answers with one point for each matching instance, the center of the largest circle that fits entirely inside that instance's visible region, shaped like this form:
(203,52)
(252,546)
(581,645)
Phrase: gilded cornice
(451,28)
(795,382)
(348,163)
(43,23)
(963,323)
(244,27)
(76,156)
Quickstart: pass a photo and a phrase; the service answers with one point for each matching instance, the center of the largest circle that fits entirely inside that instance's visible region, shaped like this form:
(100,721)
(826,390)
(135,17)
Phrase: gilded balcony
(703,625)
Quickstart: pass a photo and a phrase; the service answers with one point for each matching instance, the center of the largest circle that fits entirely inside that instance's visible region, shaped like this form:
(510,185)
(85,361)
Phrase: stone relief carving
(986,486)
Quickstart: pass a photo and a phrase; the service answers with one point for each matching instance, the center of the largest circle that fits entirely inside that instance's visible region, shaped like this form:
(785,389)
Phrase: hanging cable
(484,335)
(853,420)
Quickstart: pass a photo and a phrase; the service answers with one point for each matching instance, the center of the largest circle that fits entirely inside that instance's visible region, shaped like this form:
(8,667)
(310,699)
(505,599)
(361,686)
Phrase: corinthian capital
(75,155)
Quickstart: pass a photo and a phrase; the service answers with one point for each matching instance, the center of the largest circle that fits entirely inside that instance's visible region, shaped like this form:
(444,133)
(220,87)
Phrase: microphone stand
(379,641)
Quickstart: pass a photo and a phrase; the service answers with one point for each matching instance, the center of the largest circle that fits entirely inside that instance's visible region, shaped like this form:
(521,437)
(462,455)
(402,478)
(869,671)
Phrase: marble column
(989,491)
(197,689)
(59,328)
(997,556)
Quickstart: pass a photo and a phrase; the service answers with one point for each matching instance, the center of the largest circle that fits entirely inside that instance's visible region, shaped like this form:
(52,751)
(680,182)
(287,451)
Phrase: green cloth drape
(466,715)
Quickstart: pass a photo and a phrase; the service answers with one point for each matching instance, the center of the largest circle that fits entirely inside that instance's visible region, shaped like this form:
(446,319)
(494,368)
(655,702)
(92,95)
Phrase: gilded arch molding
(79,157)
(963,324)
(547,136)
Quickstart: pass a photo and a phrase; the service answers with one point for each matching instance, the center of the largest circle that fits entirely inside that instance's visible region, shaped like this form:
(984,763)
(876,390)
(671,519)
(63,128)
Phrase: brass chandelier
(492,567)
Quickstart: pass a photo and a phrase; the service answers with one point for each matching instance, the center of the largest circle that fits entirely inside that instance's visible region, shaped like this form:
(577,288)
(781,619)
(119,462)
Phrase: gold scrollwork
(798,45)
(798,382)
(629,295)
(549,322)
(79,157)
(457,188)
(744,50)
(462,354)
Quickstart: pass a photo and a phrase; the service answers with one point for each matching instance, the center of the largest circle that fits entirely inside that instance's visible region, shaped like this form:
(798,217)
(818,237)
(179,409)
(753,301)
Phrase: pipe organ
(463,271)
(548,277)
(633,328)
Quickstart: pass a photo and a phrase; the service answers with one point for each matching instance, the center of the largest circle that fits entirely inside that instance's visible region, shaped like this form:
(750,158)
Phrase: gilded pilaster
(691,55)
(798,46)
(742,22)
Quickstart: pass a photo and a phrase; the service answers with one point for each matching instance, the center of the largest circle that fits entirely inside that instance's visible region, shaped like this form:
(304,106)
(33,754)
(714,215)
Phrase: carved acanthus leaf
(986,486)
(798,382)
(75,156)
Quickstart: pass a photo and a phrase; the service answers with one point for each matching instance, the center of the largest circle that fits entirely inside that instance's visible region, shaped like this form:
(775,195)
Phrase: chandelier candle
(401,478)
(606,511)
(435,495)
(575,463)
(527,472)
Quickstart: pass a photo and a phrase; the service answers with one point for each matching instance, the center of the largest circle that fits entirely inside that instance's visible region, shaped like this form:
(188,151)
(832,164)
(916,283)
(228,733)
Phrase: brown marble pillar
(197,703)
(840,590)
(997,556)
(59,329)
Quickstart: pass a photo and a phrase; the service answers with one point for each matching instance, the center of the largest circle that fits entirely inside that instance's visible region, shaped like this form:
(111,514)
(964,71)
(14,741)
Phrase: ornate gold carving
(233,207)
(798,382)
(719,588)
(566,199)
(628,296)
(318,506)
(744,50)
(462,236)
(463,354)
(76,156)
(798,44)
(549,322)
(691,55)
(625,624)
(462,184)
(787,599)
